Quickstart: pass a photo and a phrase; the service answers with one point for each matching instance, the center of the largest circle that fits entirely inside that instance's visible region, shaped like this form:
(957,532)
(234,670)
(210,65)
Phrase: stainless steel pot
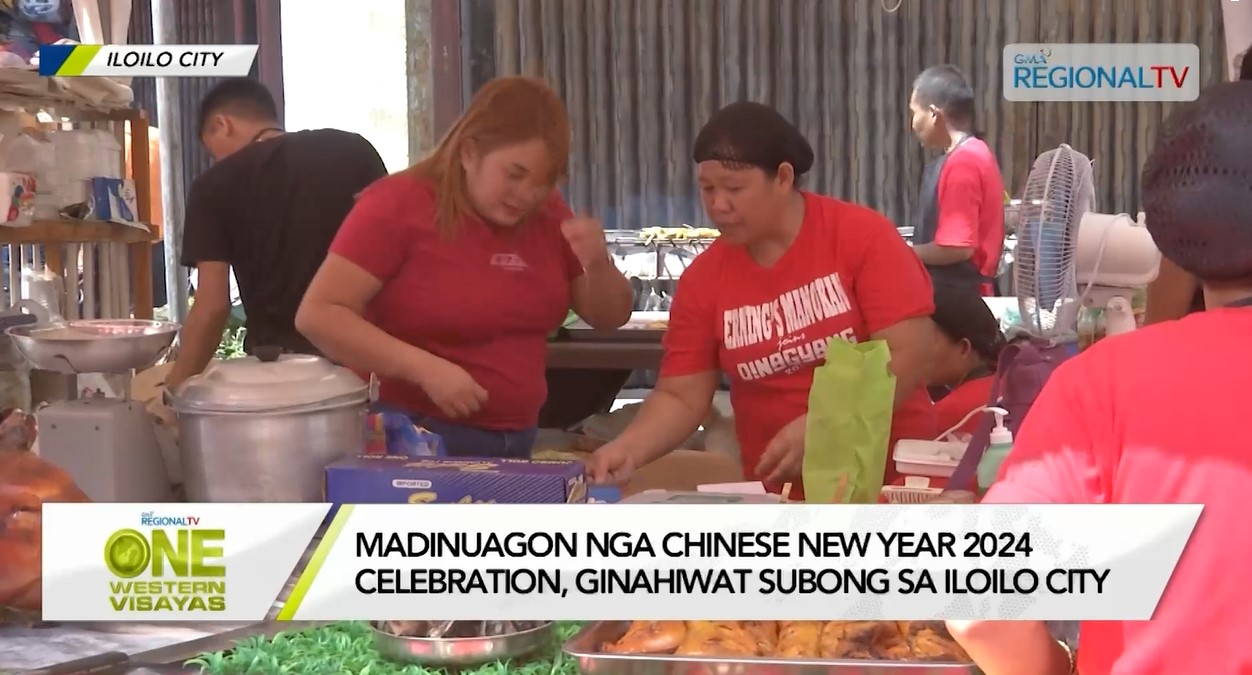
(253,430)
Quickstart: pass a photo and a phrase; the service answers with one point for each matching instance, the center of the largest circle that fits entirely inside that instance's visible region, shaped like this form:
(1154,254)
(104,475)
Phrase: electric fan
(1062,246)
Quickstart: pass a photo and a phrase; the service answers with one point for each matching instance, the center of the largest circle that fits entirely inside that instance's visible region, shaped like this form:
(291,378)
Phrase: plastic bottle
(1001,443)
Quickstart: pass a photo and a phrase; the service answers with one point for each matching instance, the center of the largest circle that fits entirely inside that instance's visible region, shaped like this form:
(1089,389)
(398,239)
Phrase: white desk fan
(1063,247)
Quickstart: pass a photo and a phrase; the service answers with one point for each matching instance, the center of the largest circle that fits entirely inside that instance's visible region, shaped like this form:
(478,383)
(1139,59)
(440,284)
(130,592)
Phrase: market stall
(586,368)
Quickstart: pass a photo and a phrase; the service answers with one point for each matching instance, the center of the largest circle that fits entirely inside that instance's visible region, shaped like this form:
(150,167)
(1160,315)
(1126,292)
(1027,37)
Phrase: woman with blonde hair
(447,278)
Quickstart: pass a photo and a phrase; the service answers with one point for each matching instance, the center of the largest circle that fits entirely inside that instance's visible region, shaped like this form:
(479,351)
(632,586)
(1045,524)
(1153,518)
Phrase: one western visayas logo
(177,566)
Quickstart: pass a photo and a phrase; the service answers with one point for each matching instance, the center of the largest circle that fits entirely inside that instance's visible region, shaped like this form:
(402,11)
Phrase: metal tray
(585,647)
(456,652)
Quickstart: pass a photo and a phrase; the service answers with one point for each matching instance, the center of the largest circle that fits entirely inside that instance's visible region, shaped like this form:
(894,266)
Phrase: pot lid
(250,384)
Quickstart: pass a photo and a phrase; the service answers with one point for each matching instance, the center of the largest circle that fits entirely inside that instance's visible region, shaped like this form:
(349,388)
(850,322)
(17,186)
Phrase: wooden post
(141,252)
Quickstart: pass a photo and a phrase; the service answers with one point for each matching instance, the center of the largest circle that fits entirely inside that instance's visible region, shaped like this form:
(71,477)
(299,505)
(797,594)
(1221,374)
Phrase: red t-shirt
(1119,424)
(848,274)
(921,419)
(969,396)
(971,204)
(485,299)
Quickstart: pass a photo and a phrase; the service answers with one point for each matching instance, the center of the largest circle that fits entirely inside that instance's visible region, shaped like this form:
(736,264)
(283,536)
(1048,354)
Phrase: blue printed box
(603,494)
(447,480)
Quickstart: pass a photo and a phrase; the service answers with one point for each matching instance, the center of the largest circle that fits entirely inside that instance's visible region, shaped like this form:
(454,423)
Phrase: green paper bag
(849,424)
(570,319)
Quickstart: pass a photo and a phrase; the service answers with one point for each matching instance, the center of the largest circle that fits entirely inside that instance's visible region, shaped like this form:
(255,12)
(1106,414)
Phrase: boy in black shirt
(268,209)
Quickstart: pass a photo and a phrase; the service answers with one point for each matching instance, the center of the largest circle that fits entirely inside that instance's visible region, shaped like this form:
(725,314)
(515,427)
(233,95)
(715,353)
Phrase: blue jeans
(460,440)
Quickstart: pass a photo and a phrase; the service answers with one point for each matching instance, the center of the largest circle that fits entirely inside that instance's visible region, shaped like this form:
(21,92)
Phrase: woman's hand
(586,239)
(611,463)
(783,459)
(451,388)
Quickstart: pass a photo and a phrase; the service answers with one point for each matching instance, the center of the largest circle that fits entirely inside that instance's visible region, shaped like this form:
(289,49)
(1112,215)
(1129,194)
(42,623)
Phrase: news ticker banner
(65,60)
(229,562)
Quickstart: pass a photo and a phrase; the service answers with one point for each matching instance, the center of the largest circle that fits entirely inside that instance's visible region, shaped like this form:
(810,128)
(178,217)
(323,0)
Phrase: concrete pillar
(1237,20)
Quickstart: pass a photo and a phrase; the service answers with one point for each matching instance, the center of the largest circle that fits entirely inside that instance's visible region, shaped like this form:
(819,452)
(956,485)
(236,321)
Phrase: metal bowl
(94,345)
(456,652)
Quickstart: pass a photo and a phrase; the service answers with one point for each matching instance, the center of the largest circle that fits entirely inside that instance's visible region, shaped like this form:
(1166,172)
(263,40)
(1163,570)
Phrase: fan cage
(1058,191)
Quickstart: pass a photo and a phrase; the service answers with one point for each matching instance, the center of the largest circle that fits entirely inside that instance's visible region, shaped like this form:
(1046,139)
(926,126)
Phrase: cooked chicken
(864,640)
(765,633)
(891,643)
(849,639)
(26,483)
(717,638)
(799,639)
(650,637)
(930,641)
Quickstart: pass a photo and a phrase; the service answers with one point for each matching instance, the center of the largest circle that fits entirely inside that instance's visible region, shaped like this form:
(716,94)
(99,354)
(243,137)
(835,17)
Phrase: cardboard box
(447,480)
(604,494)
(679,471)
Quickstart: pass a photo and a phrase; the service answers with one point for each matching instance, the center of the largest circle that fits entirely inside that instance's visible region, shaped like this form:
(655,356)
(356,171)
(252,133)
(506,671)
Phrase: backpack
(1021,371)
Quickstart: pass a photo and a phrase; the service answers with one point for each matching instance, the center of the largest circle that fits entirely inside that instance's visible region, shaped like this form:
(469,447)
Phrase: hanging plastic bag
(849,424)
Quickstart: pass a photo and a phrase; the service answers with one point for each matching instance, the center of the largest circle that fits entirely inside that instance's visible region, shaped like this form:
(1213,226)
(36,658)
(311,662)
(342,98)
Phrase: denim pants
(460,440)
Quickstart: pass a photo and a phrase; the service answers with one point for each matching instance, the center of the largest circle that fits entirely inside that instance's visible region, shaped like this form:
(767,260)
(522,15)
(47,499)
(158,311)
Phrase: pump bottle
(1001,443)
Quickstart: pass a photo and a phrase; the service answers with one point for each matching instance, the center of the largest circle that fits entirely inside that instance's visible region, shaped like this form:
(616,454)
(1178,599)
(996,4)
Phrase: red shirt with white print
(848,274)
(486,299)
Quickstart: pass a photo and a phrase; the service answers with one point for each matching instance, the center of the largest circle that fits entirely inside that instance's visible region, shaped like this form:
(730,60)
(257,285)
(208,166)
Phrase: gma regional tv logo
(70,60)
(1101,72)
(167,564)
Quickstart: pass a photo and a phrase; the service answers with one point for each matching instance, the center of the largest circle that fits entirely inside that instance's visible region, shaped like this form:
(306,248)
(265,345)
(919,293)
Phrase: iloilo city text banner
(71,60)
(618,562)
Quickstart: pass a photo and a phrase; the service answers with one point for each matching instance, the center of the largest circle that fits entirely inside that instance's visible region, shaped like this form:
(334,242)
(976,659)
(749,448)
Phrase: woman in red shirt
(447,278)
(1119,424)
(962,373)
(791,270)
(969,345)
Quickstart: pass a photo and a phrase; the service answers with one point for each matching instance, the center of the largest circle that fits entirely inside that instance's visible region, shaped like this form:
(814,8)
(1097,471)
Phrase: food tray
(457,652)
(585,648)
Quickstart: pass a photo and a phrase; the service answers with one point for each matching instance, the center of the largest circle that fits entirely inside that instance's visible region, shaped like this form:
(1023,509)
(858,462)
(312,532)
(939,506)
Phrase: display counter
(564,353)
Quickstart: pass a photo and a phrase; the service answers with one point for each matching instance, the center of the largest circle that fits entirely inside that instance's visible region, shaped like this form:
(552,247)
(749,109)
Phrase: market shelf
(75,232)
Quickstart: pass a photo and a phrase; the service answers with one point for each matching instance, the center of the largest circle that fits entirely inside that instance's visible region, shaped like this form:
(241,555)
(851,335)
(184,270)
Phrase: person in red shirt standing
(447,278)
(790,270)
(1118,424)
(960,234)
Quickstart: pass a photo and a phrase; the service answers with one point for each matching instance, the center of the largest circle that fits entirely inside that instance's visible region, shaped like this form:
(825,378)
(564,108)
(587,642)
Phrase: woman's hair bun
(753,134)
(800,153)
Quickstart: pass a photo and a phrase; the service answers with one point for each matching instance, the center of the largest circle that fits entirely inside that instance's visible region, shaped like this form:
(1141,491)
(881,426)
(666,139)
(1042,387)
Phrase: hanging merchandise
(26,25)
